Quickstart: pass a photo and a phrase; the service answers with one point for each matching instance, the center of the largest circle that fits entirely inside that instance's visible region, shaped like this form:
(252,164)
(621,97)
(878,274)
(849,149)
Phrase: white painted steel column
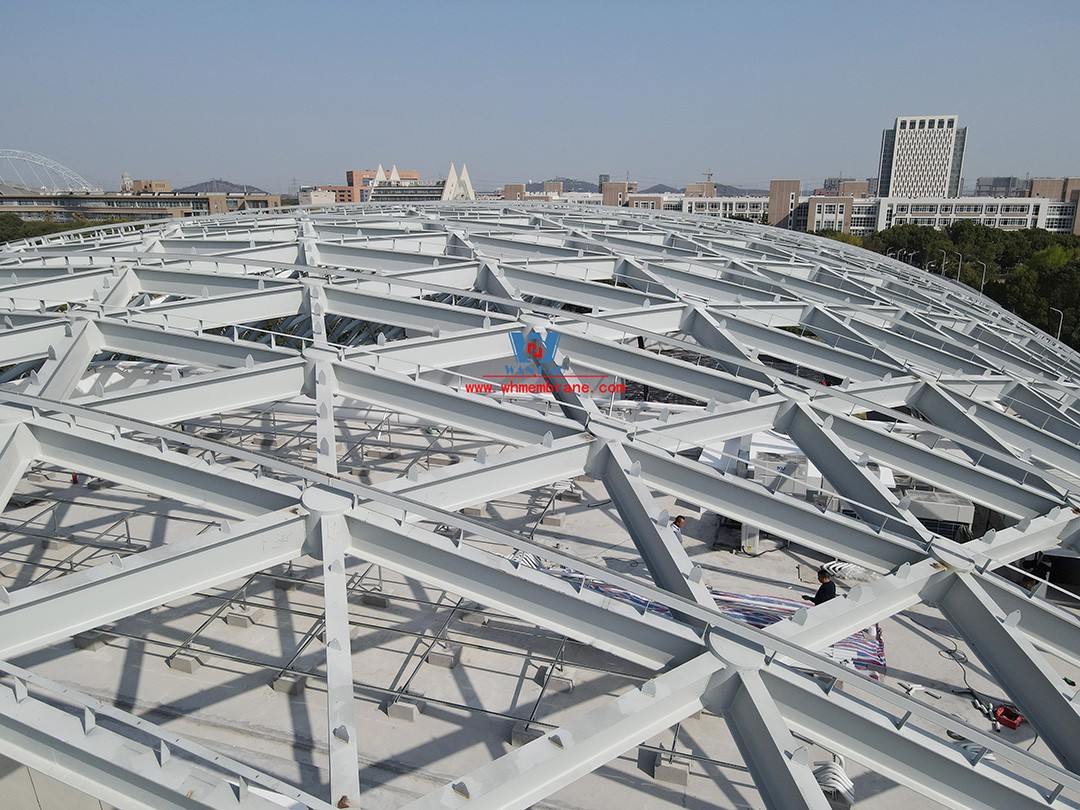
(328,540)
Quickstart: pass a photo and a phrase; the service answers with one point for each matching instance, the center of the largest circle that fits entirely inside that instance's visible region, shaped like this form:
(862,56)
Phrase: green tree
(840,236)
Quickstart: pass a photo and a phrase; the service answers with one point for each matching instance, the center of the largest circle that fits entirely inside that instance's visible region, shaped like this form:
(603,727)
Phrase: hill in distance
(722,190)
(219,186)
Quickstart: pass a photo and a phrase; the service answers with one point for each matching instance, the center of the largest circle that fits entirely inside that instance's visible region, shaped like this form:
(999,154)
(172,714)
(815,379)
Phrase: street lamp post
(944,258)
(1061,320)
(961,264)
(928,265)
(983,284)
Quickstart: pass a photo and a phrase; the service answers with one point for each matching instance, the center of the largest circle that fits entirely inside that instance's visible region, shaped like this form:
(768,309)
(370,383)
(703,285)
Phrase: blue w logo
(531,348)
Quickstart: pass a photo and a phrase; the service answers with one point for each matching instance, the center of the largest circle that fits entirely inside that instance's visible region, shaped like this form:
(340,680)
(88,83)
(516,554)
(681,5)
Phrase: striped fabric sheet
(864,649)
(526,559)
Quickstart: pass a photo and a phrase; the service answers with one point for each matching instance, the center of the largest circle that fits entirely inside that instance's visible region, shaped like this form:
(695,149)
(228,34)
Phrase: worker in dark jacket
(826,590)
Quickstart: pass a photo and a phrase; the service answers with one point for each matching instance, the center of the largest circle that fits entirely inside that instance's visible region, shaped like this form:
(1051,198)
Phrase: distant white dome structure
(373,505)
(31,171)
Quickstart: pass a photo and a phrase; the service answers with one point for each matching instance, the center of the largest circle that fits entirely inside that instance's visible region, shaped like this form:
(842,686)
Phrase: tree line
(1028,272)
(12,228)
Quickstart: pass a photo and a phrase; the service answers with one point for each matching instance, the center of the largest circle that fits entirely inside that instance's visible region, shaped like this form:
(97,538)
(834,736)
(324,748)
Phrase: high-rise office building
(922,156)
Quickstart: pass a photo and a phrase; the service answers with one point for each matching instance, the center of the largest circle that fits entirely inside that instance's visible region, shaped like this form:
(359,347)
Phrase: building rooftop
(374,504)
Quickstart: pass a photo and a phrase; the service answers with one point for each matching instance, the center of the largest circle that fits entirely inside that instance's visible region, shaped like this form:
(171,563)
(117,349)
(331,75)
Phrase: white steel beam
(148,753)
(104,764)
(655,370)
(750,502)
(596,296)
(204,394)
(697,429)
(864,605)
(864,492)
(479,414)
(916,755)
(446,351)
(535,596)
(1017,666)
(1000,492)
(779,765)
(222,310)
(814,354)
(707,331)
(1057,528)
(422,316)
(38,615)
(518,469)
(1041,411)
(187,347)
(1025,436)
(328,541)
(1007,437)
(534,771)
(30,342)
(66,362)
(921,354)
(231,491)
(660,547)
(1047,626)
(660,319)
(195,284)
(18,449)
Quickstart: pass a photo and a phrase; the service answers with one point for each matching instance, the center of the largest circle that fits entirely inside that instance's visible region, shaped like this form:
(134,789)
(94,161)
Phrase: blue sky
(264,92)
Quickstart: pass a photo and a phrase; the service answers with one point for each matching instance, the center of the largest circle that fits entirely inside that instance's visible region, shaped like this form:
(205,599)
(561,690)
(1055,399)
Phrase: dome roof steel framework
(396,308)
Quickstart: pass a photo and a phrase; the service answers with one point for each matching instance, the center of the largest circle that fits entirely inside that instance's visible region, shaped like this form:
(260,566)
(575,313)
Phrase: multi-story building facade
(376,185)
(618,193)
(363,180)
(309,195)
(514,192)
(1011,213)
(69,206)
(707,189)
(853,188)
(922,156)
(1054,211)
(783,203)
(1056,188)
(1052,206)
(395,188)
(656,202)
(755,209)
(1002,187)
(359,182)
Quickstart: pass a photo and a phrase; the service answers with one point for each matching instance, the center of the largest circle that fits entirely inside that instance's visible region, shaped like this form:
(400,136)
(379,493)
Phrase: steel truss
(395,309)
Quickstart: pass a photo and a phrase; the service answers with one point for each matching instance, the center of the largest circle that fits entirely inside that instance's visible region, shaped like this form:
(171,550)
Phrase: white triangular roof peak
(465,184)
